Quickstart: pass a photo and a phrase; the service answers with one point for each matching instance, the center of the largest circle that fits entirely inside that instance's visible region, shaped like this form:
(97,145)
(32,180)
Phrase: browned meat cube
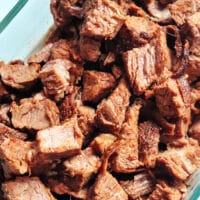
(89,49)
(55,77)
(193,24)
(7,132)
(19,76)
(102,142)
(60,141)
(193,69)
(78,170)
(29,188)
(63,11)
(60,188)
(165,192)
(142,184)
(110,112)
(66,49)
(42,55)
(181,9)
(86,119)
(34,114)
(173,100)
(103,19)
(16,156)
(136,31)
(106,187)
(125,157)
(96,85)
(194,130)
(143,65)
(180,162)
(148,143)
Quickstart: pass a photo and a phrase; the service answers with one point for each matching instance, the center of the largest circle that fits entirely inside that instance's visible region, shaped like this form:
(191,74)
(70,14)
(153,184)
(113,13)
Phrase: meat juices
(109,108)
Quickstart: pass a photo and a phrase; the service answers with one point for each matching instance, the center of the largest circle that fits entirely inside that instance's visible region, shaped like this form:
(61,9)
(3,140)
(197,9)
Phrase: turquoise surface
(23,26)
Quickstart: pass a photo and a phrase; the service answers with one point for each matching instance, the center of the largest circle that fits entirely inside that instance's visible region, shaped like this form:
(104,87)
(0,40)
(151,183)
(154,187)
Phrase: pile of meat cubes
(109,109)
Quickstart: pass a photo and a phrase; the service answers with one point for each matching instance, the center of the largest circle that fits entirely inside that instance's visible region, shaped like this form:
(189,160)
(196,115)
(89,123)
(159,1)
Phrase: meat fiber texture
(109,108)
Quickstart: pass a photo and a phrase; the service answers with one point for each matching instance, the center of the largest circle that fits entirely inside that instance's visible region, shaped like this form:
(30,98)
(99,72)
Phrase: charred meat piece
(86,119)
(16,156)
(125,157)
(55,77)
(142,184)
(165,192)
(19,76)
(131,35)
(89,49)
(102,142)
(42,55)
(78,170)
(29,188)
(110,112)
(103,19)
(60,141)
(181,9)
(143,65)
(106,187)
(96,85)
(148,143)
(34,114)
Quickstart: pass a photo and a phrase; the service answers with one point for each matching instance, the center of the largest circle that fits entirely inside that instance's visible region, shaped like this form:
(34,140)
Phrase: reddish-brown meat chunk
(102,142)
(131,35)
(4,94)
(60,141)
(142,184)
(55,77)
(106,187)
(29,188)
(125,157)
(165,192)
(143,65)
(34,114)
(103,19)
(42,55)
(181,9)
(16,156)
(193,69)
(19,76)
(60,188)
(66,49)
(148,143)
(64,10)
(78,170)
(180,162)
(110,112)
(173,100)
(96,85)
(89,49)
(7,132)
(86,119)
